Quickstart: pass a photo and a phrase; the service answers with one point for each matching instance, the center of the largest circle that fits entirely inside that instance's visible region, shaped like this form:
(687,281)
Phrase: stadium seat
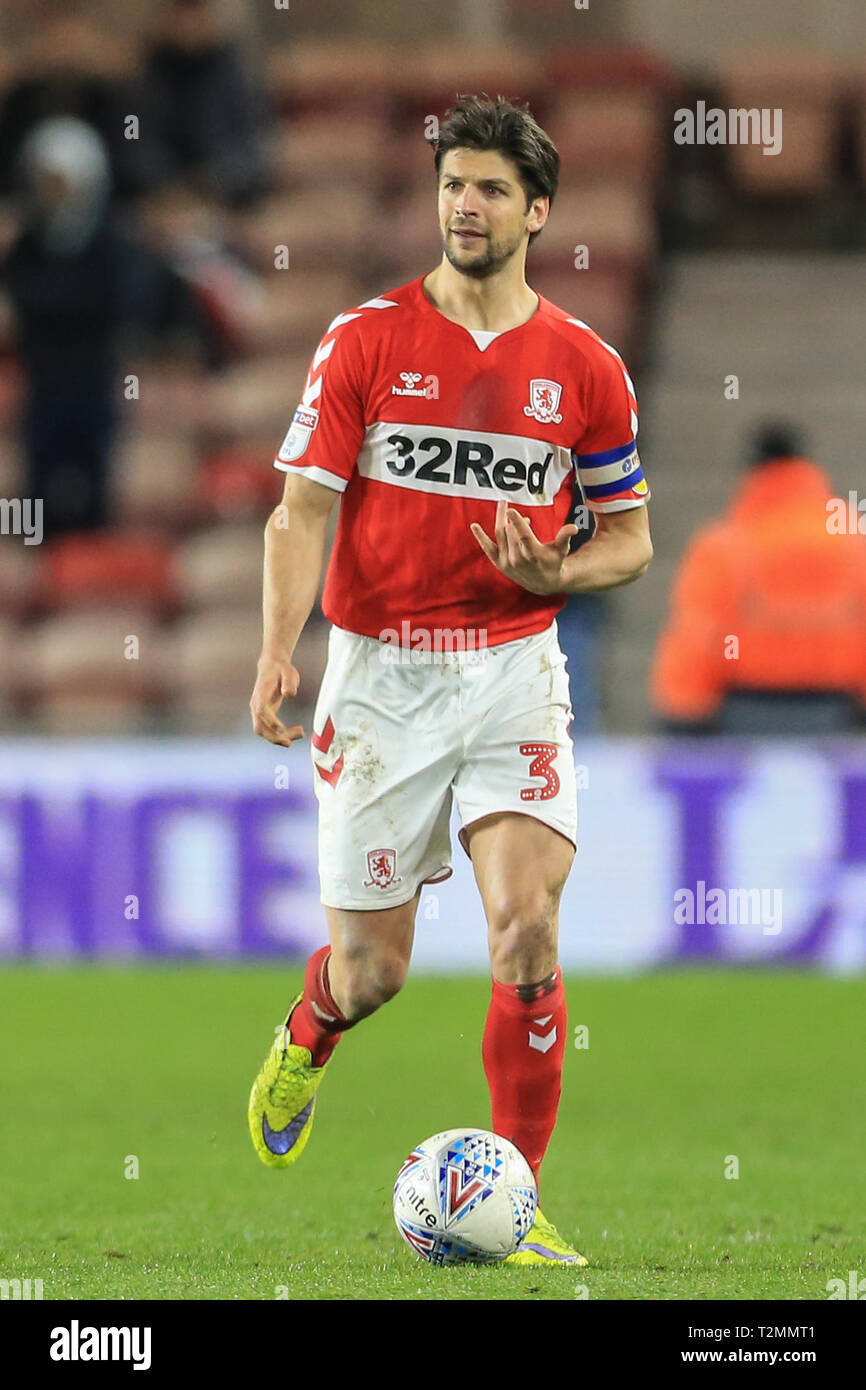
(608,67)
(613,133)
(209,660)
(221,565)
(258,398)
(321,74)
(20,571)
(297,308)
(239,482)
(351,147)
(805,86)
(614,220)
(429,77)
(171,396)
(93,714)
(9,638)
(113,567)
(323,227)
(412,233)
(11,466)
(606,300)
(413,155)
(154,478)
(92,671)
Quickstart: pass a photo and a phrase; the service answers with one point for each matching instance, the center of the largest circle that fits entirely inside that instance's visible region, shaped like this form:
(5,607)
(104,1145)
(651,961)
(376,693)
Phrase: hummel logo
(542,1042)
(279,1141)
(411,386)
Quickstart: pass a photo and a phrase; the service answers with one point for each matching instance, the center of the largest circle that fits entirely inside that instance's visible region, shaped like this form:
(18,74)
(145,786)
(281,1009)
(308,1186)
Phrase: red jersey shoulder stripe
(313,388)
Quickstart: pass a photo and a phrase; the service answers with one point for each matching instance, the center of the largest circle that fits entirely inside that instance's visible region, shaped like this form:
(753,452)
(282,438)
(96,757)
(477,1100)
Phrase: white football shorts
(395,739)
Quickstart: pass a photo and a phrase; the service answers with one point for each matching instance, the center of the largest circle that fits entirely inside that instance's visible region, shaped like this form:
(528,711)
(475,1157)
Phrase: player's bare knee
(371,982)
(523,918)
(523,945)
(388,976)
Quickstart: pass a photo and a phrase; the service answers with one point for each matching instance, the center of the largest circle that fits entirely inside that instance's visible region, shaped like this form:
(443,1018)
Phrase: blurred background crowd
(190,191)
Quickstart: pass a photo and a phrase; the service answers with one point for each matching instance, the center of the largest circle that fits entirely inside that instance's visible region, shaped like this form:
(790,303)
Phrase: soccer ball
(464,1195)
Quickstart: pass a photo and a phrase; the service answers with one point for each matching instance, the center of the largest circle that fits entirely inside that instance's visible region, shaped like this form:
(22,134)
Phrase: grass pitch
(684,1074)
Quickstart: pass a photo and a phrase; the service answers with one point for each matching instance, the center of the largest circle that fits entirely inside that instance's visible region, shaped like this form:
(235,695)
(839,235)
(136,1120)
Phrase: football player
(457,418)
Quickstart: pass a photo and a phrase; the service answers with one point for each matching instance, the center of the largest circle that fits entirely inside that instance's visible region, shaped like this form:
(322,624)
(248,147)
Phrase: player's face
(483,216)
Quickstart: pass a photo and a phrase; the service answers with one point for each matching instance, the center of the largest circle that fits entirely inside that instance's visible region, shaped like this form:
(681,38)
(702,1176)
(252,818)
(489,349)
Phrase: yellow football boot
(545,1246)
(283,1100)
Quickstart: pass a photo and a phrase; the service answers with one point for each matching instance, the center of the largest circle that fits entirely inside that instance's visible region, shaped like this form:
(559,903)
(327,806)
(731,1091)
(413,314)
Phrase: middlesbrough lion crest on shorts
(543,400)
(382,866)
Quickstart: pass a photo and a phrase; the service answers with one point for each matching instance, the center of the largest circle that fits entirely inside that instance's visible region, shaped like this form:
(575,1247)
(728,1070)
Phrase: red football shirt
(424,427)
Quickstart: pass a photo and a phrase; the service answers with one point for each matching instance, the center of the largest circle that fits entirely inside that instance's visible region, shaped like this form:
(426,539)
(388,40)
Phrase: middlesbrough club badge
(543,400)
(381,866)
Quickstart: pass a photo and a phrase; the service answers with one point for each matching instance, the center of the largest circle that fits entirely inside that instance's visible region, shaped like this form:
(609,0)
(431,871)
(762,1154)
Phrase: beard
(480,266)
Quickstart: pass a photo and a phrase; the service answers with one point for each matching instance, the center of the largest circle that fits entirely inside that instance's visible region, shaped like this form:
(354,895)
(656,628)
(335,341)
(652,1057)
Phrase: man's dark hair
(480,123)
(776,439)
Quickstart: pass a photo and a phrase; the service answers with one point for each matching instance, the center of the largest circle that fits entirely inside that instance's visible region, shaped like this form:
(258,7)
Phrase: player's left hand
(534,565)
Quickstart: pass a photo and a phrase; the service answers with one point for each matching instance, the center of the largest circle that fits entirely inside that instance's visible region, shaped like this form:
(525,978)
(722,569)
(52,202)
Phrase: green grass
(682,1070)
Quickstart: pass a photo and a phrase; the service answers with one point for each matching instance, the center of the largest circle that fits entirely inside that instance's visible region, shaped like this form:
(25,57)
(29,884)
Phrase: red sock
(523,1048)
(317,1022)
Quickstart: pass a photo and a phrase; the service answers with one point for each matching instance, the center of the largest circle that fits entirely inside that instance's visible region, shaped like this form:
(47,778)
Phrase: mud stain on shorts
(361,758)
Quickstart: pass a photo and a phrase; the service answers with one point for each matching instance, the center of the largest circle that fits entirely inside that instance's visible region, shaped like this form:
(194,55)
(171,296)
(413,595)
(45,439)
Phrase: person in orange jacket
(771,597)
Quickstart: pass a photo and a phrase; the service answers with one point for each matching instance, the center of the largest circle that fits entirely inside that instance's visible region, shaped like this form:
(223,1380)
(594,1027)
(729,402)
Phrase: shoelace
(279,1092)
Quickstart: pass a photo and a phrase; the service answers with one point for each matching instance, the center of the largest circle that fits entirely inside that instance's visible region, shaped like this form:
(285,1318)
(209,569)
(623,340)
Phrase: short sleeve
(608,465)
(327,431)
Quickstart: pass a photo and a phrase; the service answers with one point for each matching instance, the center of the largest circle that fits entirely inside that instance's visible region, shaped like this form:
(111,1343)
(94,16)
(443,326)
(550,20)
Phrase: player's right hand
(276,681)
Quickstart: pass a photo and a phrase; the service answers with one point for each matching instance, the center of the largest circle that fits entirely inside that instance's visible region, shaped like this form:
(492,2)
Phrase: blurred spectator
(188,235)
(202,116)
(767,624)
(81,289)
(71,67)
(63,277)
